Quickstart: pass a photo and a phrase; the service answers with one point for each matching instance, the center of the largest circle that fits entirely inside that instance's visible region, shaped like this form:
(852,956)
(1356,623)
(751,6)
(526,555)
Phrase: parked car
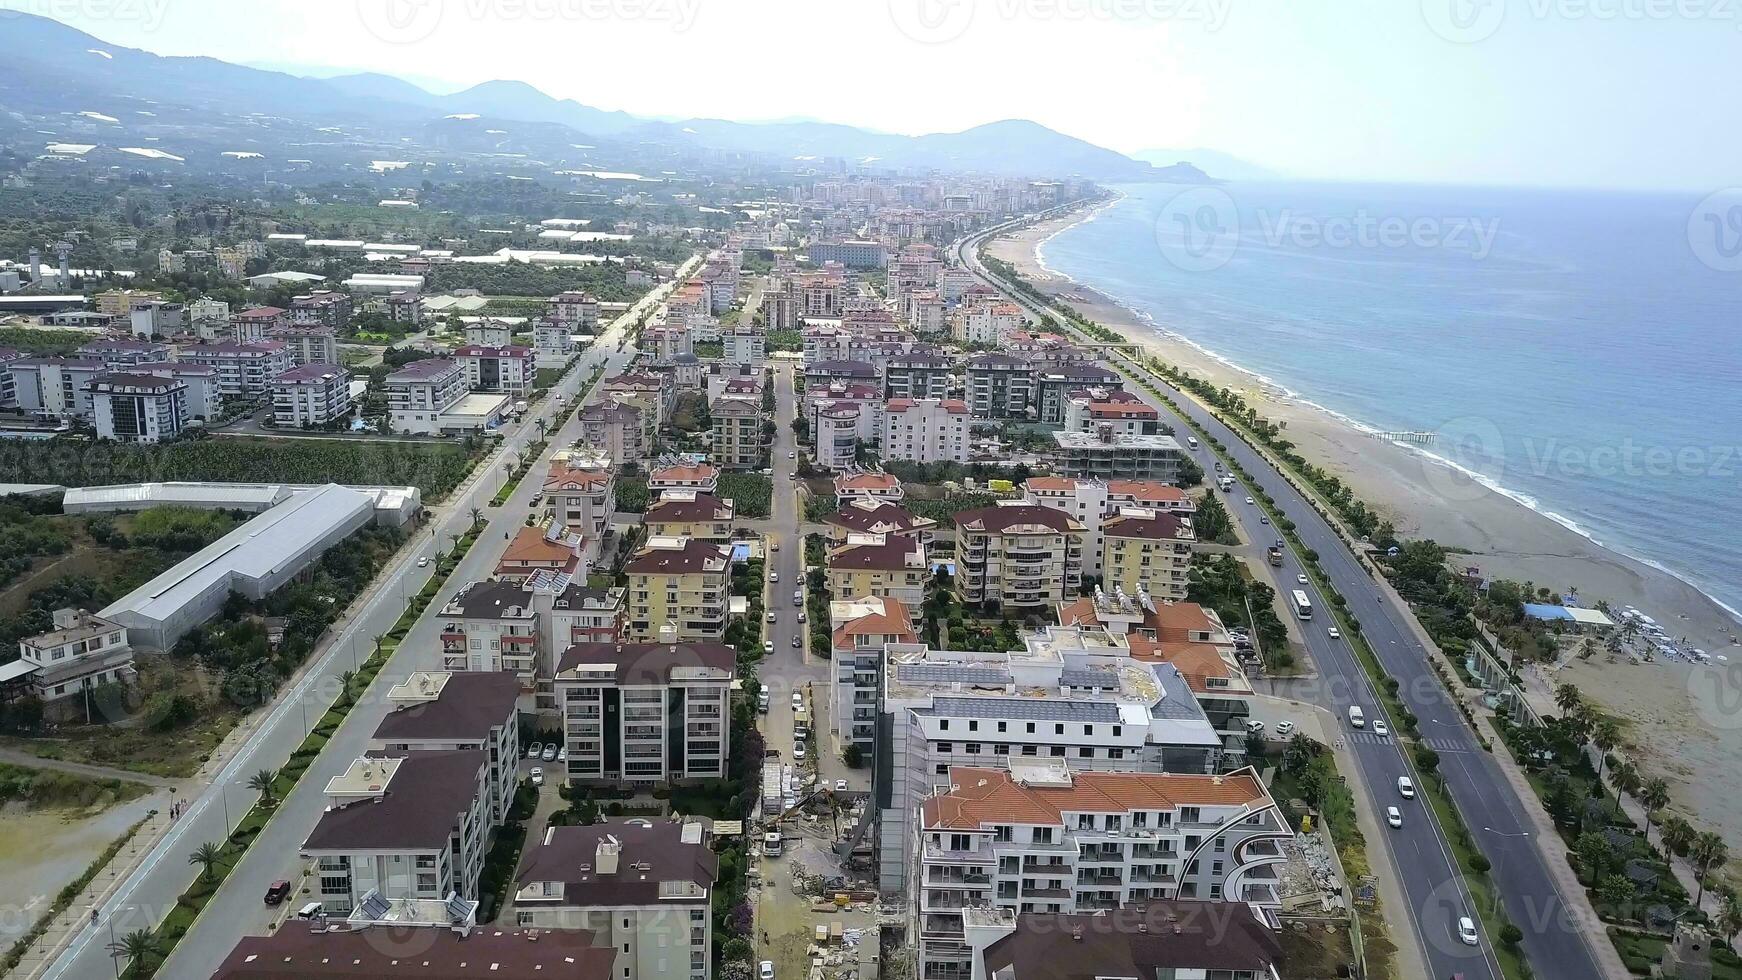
(277,892)
(549,753)
(534,750)
(797,700)
(1284,728)
(840,785)
(801,615)
(1394,816)
(765,970)
(798,751)
(315,909)
(775,546)
(1254,726)
(562,754)
(537,776)
(773,576)
(767,646)
(762,701)
(791,454)
(771,615)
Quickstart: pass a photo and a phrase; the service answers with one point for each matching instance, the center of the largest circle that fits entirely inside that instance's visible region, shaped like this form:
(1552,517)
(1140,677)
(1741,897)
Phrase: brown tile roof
(1078,612)
(563,852)
(650,663)
(1003,519)
(1164,526)
(419,810)
(892,554)
(892,621)
(1159,939)
(706,507)
(866,481)
(427,953)
(694,556)
(993,796)
(700,473)
(530,546)
(471,703)
(564,477)
(1146,490)
(1051,484)
(1173,620)
(884,517)
(1196,662)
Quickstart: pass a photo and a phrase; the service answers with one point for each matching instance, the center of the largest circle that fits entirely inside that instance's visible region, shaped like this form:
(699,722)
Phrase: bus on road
(1303,608)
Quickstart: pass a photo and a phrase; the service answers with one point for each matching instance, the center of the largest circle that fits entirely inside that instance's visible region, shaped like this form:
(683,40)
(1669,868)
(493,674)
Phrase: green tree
(137,948)
(207,856)
(1678,835)
(1616,892)
(262,781)
(1709,851)
(1653,796)
(1605,735)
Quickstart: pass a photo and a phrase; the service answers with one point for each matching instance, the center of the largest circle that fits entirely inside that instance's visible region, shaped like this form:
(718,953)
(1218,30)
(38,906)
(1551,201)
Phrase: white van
(1405,788)
(1192,441)
(1356,718)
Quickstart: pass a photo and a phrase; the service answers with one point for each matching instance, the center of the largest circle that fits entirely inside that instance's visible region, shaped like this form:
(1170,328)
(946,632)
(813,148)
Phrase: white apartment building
(489,331)
(406,827)
(1089,502)
(122,354)
(573,309)
(54,387)
(1071,694)
(737,430)
(311,395)
(552,338)
(929,430)
(859,629)
(1037,837)
(744,345)
(835,433)
(509,370)
(204,399)
(1148,551)
(244,370)
(881,488)
(440,710)
(420,392)
(493,626)
(646,713)
(580,491)
(642,887)
(311,343)
(988,323)
(140,408)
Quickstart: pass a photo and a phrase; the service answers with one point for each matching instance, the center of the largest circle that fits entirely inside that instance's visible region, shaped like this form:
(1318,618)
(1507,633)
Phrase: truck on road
(1274,554)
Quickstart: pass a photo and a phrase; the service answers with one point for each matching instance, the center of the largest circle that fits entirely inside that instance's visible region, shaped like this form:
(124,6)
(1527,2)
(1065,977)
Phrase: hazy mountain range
(47,67)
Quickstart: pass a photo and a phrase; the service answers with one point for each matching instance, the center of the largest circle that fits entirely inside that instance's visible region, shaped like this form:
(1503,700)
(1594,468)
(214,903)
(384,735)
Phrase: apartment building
(892,565)
(653,393)
(881,488)
(412,826)
(698,476)
(440,710)
(1070,694)
(1057,382)
(419,393)
(256,323)
(642,887)
(139,408)
(580,491)
(79,655)
(987,323)
(8,391)
(836,433)
(922,372)
(1084,413)
(1106,455)
(310,343)
(859,629)
(1039,838)
(1221,939)
(54,387)
(1018,555)
(1149,550)
(1152,494)
(864,515)
(405,306)
(678,591)
(326,307)
(244,370)
(575,310)
(737,431)
(509,370)
(373,939)
(925,431)
(999,386)
(820,374)
(489,331)
(852,253)
(744,344)
(820,294)
(572,612)
(616,431)
(204,399)
(690,514)
(310,396)
(552,338)
(780,309)
(492,627)
(646,713)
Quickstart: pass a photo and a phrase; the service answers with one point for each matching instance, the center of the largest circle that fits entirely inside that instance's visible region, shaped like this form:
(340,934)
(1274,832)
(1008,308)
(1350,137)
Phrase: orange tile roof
(993,796)
(1196,662)
(700,473)
(1078,612)
(1172,620)
(1051,484)
(866,481)
(893,620)
(562,477)
(1154,490)
(529,545)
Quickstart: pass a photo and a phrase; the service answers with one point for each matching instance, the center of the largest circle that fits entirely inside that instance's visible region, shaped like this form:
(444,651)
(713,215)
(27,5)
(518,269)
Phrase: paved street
(1494,812)
(144,896)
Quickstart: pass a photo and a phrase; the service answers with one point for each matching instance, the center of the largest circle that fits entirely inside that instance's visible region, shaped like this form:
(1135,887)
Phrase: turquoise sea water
(1580,351)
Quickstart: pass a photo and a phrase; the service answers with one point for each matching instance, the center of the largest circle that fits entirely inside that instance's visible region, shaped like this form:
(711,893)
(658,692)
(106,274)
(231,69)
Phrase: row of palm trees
(1706,849)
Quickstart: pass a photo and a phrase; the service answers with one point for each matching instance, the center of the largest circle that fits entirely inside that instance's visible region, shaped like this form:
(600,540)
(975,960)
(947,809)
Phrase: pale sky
(1617,93)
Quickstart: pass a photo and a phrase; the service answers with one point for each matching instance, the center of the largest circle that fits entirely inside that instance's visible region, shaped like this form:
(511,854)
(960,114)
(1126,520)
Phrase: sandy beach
(1683,722)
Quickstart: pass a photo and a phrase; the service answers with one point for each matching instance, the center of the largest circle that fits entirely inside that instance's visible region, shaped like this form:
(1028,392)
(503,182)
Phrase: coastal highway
(1553,941)
(147,894)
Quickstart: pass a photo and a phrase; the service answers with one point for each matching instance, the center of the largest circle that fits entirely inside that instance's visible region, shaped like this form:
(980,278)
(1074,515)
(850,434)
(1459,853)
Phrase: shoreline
(1674,726)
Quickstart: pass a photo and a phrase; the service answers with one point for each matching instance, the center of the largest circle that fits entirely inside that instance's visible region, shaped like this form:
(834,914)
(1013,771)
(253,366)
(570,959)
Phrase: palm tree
(540,423)
(1730,916)
(137,947)
(475,512)
(1605,735)
(206,856)
(263,781)
(380,638)
(1625,776)
(346,679)
(1654,796)
(1567,698)
(1709,849)
(1677,835)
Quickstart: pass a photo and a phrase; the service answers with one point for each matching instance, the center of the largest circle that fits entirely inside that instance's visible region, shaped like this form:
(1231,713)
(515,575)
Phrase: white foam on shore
(1516,496)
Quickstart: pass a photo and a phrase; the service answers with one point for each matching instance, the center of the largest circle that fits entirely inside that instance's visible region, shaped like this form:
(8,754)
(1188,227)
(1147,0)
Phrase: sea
(1579,351)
